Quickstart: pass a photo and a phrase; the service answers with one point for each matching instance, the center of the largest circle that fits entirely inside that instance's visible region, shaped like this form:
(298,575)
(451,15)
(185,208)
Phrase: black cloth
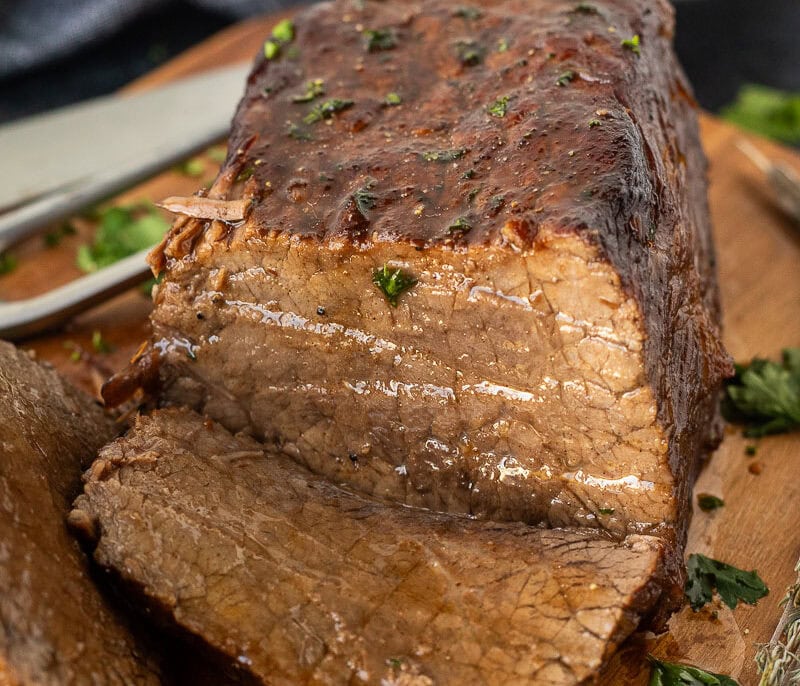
(53,52)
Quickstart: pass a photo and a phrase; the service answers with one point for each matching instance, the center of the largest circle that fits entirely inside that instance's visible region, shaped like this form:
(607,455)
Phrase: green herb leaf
(470,53)
(708,502)
(392,99)
(764,396)
(297,132)
(565,78)
(365,201)
(379,39)
(606,510)
(443,155)
(8,263)
(123,231)
(283,32)
(767,111)
(326,110)
(271,49)
(100,344)
(392,283)
(192,167)
(632,44)
(314,89)
(470,13)
(459,227)
(732,583)
(499,107)
(674,674)
(594,122)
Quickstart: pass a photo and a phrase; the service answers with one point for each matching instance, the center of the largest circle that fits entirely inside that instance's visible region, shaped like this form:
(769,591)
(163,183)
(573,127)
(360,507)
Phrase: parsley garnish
(732,583)
(467,13)
(379,39)
(565,78)
(326,110)
(470,53)
(632,44)
(392,283)
(459,226)
(122,231)
(765,395)
(443,155)
(8,263)
(767,111)
(100,344)
(282,33)
(392,99)
(314,89)
(365,201)
(594,122)
(674,674)
(298,133)
(53,238)
(499,107)
(708,502)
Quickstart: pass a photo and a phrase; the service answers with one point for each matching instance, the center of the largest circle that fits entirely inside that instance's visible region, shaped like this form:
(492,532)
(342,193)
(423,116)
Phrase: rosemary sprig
(779,660)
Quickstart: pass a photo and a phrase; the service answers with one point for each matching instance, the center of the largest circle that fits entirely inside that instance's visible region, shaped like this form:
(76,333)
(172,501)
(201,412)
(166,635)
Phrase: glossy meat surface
(56,628)
(299,582)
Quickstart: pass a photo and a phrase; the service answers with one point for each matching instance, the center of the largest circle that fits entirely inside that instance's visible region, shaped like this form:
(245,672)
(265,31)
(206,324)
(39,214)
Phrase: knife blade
(55,163)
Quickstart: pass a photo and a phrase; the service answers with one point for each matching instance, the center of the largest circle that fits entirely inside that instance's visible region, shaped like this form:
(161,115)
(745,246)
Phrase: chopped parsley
(606,510)
(8,263)
(675,674)
(326,110)
(565,78)
(392,99)
(297,132)
(471,13)
(364,199)
(314,89)
(443,155)
(193,167)
(392,283)
(459,226)
(764,396)
(733,584)
(53,238)
(470,53)
(499,107)
(123,231)
(632,44)
(100,344)
(767,111)
(379,39)
(594,122)
(708,502)
(282,33)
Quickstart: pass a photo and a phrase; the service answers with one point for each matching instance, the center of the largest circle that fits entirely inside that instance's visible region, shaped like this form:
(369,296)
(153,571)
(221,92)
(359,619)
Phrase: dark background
(53,52)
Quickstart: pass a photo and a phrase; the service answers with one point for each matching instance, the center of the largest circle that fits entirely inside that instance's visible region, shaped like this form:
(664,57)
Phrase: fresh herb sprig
(674,674)
(314,89)
(633,44)
(764,396)
(326,110)
(733,584)
(499,107)
(393,283)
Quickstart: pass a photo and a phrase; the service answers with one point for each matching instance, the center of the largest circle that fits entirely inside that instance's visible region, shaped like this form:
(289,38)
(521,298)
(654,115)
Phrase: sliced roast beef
(475,274)
(55,626)
(299,581)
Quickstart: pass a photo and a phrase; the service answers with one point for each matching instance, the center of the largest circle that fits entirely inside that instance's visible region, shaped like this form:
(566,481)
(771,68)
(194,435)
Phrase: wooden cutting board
(759,272)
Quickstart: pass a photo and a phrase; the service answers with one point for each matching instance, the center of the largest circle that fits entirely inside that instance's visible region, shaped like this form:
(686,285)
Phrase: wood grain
(759,271)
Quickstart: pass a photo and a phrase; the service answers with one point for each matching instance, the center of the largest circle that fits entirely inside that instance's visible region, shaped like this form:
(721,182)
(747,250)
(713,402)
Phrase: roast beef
(299,581)
(524,183)
(55,626)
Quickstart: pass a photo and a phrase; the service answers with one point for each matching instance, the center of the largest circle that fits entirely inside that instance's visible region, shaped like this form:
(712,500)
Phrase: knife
(56,163)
